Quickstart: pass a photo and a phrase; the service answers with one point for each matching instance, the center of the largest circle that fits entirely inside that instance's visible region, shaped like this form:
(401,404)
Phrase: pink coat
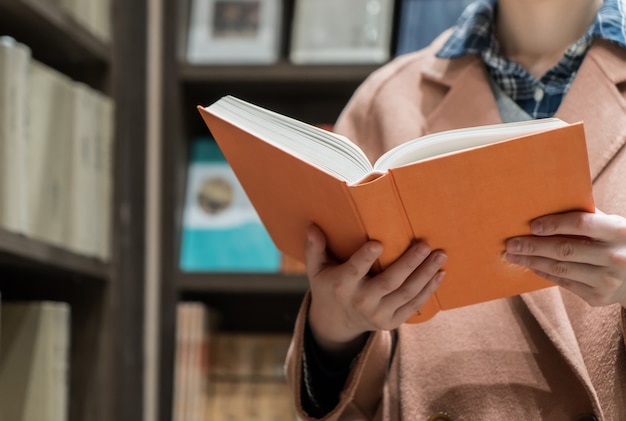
(545,355)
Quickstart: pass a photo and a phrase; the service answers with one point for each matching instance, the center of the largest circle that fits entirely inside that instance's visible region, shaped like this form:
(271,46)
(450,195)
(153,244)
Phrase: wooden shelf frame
(241,283)
(106,299)
(53,34)
(283,72)
(19,250)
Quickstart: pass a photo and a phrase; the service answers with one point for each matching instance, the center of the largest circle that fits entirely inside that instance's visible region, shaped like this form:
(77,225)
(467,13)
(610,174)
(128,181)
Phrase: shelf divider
(241,283)
(21,251)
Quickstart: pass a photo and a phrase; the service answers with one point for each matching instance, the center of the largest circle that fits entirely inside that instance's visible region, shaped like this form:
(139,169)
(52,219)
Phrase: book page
(342,158)
(328,151)
(451,141)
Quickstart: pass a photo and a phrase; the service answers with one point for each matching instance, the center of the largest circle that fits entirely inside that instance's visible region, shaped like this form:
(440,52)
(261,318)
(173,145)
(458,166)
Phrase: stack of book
(34,360)
(222,376)
(93,15)
(56,155)
(247,379)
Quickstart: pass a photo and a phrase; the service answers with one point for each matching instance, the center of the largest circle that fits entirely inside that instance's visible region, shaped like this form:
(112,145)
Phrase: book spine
(385,219)
(382,216)
(14,61)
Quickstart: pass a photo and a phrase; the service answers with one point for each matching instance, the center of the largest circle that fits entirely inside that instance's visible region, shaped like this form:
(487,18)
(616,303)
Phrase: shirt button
(440,416)
(538,94)
(580,49)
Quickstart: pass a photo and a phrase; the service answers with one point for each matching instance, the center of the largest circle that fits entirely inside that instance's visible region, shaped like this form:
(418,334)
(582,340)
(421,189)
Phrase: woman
(554,354)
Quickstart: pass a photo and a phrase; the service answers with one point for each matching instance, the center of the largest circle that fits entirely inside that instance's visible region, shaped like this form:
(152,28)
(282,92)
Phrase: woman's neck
(536,33)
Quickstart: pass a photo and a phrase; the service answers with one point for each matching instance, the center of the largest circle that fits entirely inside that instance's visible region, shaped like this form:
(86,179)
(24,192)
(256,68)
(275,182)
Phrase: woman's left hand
(583,252)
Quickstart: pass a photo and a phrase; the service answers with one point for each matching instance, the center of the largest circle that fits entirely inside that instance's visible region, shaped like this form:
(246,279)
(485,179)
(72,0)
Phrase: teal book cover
(221,230)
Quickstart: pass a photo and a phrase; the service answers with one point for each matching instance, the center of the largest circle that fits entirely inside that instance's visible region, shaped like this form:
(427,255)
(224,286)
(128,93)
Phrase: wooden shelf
(19,251)
(283,72)
(241,283)
(58,38)
(107,299)
(279,88)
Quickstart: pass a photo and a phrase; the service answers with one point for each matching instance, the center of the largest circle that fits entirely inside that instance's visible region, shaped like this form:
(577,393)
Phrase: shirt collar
(473,32)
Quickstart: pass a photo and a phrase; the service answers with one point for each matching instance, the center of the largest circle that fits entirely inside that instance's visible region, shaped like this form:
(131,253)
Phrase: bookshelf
(313,93)
(106,299)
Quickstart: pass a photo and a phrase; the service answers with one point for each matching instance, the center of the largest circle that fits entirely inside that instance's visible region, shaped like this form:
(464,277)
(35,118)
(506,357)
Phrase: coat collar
(604,112)
(468,100)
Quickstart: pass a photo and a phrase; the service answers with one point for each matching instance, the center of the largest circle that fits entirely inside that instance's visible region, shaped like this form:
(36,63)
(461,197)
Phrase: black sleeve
(323,378)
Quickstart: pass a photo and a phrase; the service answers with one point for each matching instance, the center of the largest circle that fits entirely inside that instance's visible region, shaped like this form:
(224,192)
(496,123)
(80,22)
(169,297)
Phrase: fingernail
(440,258)
(422,249)
(375,248)
(513,258)
(536,227)
(513,245)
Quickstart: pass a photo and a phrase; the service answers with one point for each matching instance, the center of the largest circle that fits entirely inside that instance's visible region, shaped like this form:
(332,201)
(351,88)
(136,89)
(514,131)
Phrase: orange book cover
(477,188)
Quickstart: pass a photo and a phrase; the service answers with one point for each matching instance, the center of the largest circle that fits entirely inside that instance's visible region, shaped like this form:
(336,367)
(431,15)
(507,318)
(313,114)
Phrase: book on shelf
(341,32)
(48,132)
(195,323)
(421,21)
(247,378)
(93,15)
(248,356)
(227,375)
(69,159)
(89,172)
(245,400)
(464,191)
(81,165)
(234,31)
(102,206)
(34,360)
(15,58)
(221,230)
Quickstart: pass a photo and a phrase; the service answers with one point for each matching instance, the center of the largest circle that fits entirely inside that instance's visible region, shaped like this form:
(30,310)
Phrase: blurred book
(93,15)
(68,155)
(34,360)
(234,31)
(195,324)
(221,229)
(15,59)
(247,378)
(341,32)
(421,21)
(88,173)
(49,132)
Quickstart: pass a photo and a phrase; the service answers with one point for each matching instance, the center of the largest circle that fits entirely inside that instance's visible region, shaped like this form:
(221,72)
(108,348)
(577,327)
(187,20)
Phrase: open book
(465,191)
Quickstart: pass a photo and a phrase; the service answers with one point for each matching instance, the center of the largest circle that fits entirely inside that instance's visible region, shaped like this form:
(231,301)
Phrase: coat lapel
(468,101)
(548,309)
(594,98)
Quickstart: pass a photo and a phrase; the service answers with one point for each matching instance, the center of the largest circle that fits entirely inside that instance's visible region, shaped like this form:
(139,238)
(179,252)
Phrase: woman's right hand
(346,303)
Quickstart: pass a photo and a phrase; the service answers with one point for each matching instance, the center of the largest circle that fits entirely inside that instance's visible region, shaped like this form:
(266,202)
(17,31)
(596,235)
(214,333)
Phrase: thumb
(315,252)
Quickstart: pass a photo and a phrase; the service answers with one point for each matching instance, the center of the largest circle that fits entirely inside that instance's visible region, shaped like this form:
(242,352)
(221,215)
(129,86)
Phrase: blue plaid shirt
(474,33)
